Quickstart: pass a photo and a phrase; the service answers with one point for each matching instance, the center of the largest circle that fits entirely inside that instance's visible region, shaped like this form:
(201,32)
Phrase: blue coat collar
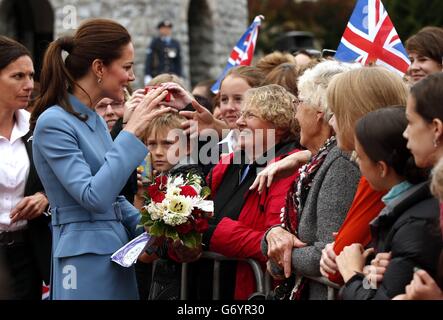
(84,110)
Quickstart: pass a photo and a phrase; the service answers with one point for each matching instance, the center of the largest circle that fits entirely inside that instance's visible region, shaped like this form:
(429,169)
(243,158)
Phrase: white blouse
(14,171)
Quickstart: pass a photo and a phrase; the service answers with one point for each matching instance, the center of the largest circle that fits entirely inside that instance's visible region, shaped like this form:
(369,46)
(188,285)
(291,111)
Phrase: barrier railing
(263,280)
(218,258)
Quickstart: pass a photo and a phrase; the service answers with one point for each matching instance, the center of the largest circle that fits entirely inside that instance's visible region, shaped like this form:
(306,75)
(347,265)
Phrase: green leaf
(145,220)
(157,229)
(172,233)
(192,239)
(206,192)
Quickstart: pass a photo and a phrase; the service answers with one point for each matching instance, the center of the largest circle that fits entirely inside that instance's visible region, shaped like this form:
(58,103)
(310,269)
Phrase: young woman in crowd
(409,222)
(82,170)
(425,140)
(425,51)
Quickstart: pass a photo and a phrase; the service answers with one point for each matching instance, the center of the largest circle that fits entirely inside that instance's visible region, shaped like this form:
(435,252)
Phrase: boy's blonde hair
(353,94)
(166,121)
(276,105)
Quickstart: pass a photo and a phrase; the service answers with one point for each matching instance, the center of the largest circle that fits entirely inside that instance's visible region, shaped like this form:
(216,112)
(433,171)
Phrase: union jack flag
(243,51)
(370,38)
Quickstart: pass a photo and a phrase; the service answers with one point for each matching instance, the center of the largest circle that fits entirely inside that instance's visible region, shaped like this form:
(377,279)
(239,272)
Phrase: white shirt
(14,171)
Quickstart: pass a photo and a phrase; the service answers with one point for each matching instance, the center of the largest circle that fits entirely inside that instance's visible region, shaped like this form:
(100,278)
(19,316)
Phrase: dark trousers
(20,271)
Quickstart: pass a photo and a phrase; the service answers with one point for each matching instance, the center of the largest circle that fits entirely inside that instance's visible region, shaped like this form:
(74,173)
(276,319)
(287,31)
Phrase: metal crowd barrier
(263,280)
(256,269)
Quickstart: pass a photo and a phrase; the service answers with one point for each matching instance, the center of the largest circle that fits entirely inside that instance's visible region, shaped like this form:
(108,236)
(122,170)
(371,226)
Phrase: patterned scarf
(296,197)
(295,201)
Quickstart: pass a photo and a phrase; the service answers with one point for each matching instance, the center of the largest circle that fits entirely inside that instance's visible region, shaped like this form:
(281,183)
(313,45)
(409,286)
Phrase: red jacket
(242,238)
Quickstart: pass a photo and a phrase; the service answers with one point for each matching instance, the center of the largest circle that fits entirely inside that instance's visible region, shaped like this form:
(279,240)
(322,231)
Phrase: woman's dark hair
(428,42)
(11,50)
(380,133)
(428,96)
(95,39)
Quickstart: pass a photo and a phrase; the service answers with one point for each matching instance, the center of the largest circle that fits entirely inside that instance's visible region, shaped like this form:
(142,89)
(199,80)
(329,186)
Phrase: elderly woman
(322,195)
(241,217)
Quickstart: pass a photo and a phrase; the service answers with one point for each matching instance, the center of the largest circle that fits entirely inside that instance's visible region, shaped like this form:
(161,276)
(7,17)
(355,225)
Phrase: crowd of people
(316,168)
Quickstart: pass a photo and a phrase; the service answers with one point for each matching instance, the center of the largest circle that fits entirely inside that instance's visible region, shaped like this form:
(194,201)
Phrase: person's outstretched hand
(280,169)
(142,114)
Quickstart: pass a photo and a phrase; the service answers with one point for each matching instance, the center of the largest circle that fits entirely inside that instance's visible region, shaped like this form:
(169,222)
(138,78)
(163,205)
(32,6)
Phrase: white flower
(175,219)
(156,210)
(179,205)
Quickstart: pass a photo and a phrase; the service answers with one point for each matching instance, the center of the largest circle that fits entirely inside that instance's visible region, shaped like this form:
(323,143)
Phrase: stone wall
(206,29)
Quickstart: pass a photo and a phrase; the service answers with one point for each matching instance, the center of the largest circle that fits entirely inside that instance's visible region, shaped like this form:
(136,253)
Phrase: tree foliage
(327,19)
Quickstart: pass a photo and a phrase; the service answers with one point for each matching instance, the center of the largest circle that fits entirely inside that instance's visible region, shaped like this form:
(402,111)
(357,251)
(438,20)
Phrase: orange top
(366,206)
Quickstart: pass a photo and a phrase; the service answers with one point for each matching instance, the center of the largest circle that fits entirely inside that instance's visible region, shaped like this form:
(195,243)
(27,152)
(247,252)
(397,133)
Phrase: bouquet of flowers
(175,208)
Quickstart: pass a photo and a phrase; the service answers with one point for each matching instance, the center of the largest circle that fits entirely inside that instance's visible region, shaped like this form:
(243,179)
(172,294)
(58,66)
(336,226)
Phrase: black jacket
(39,230)
(409,228)
(163,57)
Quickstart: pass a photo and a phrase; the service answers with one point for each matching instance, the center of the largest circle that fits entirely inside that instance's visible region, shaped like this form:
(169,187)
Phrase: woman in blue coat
(81,168)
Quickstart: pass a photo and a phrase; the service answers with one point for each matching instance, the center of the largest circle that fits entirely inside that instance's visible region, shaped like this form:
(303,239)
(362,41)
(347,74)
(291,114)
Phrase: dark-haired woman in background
(407,225)
(25,238)
(425,51)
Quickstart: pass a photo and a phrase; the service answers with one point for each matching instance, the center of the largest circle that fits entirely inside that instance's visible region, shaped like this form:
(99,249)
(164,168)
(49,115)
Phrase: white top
(14,171)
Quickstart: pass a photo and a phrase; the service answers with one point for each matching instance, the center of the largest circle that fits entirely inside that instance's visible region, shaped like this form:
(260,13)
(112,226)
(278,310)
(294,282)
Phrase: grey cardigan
(329,200)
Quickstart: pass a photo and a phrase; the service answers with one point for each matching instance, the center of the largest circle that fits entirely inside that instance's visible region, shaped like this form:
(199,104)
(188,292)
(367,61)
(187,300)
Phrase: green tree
(327,19)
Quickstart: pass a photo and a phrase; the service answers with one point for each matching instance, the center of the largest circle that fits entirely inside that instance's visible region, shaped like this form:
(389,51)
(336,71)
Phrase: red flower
(184,228)
(161,181)
(155,194)
(188,191)
(201,225)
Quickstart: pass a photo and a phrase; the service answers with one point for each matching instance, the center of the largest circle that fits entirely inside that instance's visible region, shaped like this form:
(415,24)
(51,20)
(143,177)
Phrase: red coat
(242,238)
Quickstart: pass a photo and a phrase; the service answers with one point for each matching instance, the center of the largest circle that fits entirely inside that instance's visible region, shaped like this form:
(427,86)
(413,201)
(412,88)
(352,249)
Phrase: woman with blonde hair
(351,96)
(321,196)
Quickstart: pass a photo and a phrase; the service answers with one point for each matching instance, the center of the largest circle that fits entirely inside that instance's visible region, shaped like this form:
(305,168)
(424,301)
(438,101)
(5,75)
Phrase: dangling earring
(99,80)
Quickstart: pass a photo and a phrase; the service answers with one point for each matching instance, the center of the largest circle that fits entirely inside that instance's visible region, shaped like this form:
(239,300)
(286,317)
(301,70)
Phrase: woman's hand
(200,120)
(352,260)
(186,254)
(422,287)
(180,97)
(147,258)
(280,245)
(29,207)
(145,111)
(280,169)
(377,269)
(327,261)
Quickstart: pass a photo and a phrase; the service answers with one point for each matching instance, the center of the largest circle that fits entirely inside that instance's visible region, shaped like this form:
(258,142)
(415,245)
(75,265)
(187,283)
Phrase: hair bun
(66,43)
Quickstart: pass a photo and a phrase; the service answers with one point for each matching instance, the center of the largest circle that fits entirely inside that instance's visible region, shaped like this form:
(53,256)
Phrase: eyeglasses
(101,108)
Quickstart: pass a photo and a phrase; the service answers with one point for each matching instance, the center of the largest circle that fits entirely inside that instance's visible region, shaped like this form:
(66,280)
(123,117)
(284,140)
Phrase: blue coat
(83,172)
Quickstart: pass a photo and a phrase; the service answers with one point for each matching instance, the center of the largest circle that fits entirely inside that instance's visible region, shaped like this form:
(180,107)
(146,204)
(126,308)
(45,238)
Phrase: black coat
(163,57)
(409,228)
(39,230)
